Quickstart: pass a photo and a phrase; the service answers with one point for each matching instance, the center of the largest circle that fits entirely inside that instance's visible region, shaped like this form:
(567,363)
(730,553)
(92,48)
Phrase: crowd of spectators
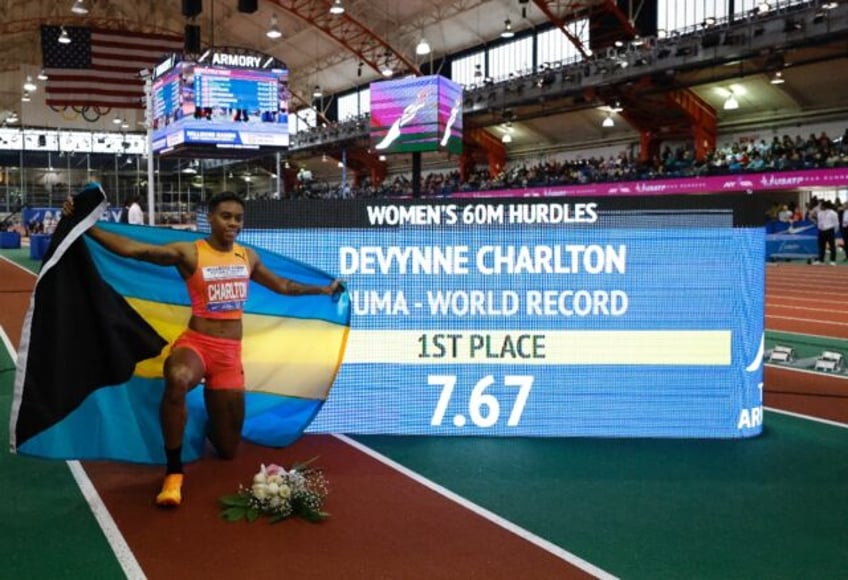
(781,154)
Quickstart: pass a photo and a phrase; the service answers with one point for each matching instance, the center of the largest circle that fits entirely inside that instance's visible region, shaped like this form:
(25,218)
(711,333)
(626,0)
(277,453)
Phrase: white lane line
(808,371)
(8,345)
(483,512)
(16,265)
(808,418)
(816,321)
(123,553)
(804,308)
(801,292)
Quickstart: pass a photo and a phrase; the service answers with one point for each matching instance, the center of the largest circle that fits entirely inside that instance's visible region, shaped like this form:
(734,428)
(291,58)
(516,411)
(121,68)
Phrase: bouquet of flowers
(279,493)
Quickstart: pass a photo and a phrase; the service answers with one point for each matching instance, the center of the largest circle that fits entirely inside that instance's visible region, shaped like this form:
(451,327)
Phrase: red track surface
(807,299)
(385,525)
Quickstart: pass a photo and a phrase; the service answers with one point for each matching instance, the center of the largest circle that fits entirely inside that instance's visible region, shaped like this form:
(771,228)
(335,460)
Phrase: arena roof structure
(799,43)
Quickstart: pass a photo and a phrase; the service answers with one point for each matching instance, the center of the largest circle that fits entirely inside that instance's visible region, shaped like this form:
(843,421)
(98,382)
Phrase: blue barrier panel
(9,240)
(798,241)
(38,244)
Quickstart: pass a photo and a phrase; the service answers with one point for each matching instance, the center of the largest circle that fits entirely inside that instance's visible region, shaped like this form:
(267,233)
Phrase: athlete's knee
(178,380)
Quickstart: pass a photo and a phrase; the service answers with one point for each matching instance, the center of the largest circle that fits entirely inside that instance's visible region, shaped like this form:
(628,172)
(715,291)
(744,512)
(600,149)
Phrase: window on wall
(354,105)
(365,101)
(745,7)
(553,46)
(470,69)
(348,106)
(680,15)
(515,57)
(302,120)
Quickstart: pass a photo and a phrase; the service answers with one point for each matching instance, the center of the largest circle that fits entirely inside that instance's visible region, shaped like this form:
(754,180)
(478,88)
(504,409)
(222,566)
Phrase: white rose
(284,491)
(260,491)
(273,488)
(259,478)
(278,479)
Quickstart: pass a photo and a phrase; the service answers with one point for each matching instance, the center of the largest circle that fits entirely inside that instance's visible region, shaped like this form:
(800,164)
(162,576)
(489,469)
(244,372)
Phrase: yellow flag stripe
(284,356)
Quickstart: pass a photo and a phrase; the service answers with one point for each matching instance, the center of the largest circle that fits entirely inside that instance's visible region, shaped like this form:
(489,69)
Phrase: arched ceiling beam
(574,10)
(611,6)
(369,47)
(547,7)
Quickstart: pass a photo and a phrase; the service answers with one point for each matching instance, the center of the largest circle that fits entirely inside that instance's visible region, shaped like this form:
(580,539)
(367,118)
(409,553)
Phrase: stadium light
(79,8)
(387,70)
(274,31)
(731,103)
(337,8)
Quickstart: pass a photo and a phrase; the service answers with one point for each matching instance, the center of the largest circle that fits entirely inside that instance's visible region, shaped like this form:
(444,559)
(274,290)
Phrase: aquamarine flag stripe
(122,423)
(276,420)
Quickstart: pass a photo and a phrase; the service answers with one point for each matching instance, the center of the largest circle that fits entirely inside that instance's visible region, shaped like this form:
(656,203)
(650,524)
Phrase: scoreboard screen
(613,317)
(416,114)
(217,110)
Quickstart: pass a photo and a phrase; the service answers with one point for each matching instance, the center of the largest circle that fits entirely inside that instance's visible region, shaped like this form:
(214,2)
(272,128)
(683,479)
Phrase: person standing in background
(827,222)
(135,215)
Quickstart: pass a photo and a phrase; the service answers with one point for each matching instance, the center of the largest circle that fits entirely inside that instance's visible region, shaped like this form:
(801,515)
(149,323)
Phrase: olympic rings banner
(609,317)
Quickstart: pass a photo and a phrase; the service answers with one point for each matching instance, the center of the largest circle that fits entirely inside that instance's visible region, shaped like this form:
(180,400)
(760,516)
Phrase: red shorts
(221,358)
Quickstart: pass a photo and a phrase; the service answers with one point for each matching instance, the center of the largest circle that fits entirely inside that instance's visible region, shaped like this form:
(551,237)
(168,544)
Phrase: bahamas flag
(89,377)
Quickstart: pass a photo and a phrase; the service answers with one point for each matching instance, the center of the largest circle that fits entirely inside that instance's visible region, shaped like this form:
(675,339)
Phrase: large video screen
(631,317)
(416,114)
(217,108)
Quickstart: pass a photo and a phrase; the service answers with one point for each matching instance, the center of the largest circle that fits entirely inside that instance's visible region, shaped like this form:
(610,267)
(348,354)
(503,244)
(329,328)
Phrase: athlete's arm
(172,254)
(262,275)
(175,254)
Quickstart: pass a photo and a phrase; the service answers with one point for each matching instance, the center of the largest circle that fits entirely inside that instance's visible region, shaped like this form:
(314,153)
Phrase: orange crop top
(218,286)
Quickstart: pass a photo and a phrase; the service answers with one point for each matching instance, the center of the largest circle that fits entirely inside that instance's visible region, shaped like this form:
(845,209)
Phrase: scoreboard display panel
(416,114)
(217,110)
(612,317)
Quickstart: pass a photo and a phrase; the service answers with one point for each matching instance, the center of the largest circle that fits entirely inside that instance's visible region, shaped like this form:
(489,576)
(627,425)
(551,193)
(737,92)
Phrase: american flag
(99,68)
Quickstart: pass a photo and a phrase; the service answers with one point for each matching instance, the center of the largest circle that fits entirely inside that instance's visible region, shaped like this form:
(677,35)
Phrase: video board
(613,317)
(216,108)
(416,114)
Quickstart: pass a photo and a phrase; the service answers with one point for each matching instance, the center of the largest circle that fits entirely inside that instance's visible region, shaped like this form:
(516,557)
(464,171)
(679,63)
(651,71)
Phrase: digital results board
(214,109)
(614,317)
